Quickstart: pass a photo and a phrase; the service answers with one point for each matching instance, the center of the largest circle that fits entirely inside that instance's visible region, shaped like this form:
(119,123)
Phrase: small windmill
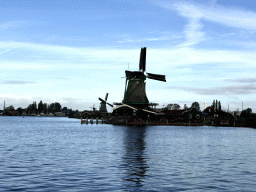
(93,108)
(103,104)
(135,86)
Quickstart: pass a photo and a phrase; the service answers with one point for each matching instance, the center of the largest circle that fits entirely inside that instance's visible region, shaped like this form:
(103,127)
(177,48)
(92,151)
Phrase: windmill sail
(102,100)
(106,97)
(156,77)
(143,59)
(110,105)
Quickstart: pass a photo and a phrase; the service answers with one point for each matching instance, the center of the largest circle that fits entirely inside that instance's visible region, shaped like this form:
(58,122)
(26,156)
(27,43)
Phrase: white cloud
(16,82)
(195,13)
(226,15)
(114,58)
(247,89)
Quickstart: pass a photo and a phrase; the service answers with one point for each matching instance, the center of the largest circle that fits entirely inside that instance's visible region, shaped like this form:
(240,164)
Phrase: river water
(60,154)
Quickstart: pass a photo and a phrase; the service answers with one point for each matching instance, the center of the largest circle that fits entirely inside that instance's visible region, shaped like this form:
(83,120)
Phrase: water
(60,154)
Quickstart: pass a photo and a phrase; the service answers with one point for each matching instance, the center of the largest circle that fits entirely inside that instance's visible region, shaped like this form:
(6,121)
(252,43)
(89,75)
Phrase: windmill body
(103,104)
(135,87)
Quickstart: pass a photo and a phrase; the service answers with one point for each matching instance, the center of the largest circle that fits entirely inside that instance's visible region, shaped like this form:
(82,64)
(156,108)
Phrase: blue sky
(73,52)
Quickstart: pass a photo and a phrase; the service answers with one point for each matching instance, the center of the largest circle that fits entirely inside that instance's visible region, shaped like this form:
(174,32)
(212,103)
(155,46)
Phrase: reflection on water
(134,158)
(61,154)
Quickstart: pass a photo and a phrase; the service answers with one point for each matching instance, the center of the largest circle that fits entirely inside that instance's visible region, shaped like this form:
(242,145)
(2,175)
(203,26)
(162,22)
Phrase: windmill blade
(156,77)
(101,100)
(143,59)
(106,97)
(110,105)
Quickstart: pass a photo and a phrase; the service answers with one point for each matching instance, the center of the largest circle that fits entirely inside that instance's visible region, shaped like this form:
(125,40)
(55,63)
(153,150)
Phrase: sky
(75,51)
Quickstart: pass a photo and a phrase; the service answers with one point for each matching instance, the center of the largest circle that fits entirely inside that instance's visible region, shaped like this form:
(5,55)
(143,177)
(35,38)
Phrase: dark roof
(174,112)
(137,108)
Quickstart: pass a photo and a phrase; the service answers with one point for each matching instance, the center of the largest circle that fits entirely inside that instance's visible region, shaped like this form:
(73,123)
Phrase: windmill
(103,104)
(93,108)
(135,86)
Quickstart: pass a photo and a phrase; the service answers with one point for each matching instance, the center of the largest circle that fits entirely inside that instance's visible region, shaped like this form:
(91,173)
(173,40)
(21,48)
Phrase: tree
(40,106)
(19,110)
(174,106)
(54,107)
(57,107)
(213,107)
(207,110)
(246,113)
(29,108)
(196,105)
(34,106)
(219,106)
(51,108)
(45,108)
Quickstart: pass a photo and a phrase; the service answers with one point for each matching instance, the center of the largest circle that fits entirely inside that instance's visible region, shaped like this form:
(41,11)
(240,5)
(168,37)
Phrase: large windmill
(135,86)
(103,104)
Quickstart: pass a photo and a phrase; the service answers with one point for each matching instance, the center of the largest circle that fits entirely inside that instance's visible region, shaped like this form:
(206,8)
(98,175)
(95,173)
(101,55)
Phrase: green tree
(51,108)
(196,105)
(30,108)
(57,107)
(40,106)
(219,106)
(213,107)
(246,113)
(19,110)
(45,108)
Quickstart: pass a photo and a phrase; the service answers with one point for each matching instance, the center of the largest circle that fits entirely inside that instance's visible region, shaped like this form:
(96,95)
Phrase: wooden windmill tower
(103,104)
(135,92)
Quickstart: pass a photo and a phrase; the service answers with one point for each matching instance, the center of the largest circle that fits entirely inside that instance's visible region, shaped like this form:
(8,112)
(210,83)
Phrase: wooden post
(97,120)
(212,123)
(86,120)
(189,123)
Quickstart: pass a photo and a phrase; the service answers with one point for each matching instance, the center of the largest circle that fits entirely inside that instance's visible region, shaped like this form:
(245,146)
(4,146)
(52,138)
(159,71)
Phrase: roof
(191,109)
(130,106)
(174,112)
(137,108)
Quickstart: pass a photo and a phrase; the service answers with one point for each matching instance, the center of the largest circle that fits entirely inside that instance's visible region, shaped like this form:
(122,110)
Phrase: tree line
(39,108)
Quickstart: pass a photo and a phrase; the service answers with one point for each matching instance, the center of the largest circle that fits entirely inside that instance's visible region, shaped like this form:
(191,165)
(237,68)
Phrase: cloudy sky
(75,51)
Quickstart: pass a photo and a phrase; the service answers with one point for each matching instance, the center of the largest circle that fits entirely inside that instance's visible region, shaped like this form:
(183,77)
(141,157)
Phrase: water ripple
(60,154)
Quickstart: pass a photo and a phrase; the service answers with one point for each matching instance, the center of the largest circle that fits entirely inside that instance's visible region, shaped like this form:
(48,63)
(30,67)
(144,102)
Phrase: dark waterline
(60,154)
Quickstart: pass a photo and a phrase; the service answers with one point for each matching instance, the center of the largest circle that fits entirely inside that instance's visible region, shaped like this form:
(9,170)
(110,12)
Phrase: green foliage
(213,107)
(19,110)
(246,113)
(45,108)
(40,106)
(54,107)
(216,121)
(196,105)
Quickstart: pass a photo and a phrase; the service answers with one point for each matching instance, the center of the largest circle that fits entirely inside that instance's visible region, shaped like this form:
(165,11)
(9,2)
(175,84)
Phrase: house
(130,110)
(60,114)
(193,114)
(174,114)
(13,113)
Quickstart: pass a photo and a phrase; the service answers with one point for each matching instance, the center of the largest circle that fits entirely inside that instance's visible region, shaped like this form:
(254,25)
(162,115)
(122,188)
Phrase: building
(60,114)
(193,114)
